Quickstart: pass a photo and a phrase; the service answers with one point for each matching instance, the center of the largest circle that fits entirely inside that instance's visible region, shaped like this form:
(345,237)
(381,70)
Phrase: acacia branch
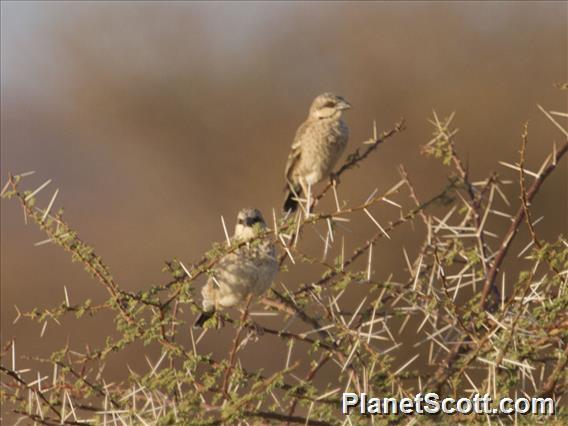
(516,223)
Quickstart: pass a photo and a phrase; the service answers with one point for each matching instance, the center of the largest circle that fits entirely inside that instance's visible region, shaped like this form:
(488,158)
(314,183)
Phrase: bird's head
(249,223)
(328,105)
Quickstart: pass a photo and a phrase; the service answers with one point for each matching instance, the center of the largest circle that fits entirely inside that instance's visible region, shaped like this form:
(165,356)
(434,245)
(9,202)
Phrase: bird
(247,271)
(318,144)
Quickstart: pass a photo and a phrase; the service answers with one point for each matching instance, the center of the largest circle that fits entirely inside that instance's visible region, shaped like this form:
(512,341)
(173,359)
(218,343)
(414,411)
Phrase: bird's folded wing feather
(296,150)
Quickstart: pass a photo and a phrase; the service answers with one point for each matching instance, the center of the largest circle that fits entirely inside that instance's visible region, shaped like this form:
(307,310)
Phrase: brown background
(155,119)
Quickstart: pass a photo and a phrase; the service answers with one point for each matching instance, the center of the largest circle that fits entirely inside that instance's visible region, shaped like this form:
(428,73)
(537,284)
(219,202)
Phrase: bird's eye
(240,221)
(329,104)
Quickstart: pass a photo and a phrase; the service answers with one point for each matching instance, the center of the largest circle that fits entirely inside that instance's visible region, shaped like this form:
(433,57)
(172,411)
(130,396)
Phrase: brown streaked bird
(248,270)
(318,144)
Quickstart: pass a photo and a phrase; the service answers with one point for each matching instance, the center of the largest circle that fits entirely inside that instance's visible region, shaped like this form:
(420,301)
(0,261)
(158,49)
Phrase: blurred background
(154,119)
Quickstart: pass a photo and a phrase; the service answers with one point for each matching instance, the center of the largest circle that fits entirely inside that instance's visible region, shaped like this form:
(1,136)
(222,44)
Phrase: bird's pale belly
(325,160)
(313,178)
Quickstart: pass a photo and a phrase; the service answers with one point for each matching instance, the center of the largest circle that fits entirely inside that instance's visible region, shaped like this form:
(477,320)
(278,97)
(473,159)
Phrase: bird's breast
(322,148)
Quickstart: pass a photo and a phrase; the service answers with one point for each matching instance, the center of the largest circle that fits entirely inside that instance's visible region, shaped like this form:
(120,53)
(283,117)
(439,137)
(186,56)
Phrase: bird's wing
(296,150)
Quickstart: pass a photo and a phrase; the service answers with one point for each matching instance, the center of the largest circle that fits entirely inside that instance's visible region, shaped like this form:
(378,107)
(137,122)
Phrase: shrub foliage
(471,327)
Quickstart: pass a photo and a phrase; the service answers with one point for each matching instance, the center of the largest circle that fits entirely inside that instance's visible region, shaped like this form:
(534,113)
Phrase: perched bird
(318,144)
(250,269)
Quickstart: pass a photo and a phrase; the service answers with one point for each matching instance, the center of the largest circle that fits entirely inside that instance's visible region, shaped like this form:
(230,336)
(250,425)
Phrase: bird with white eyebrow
(318,144)
(247,271)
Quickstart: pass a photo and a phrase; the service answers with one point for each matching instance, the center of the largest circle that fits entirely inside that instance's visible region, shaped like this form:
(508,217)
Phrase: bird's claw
(334,179)
(255,330)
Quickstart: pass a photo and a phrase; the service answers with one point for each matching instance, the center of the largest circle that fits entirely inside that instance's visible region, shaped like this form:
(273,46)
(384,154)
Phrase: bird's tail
(292,195)
(202,318)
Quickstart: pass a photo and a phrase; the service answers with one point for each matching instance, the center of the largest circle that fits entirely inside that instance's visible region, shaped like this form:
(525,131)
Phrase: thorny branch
(462,328)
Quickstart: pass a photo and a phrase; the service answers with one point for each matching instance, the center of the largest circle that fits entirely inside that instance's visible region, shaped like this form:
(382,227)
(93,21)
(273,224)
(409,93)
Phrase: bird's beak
(343,105)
